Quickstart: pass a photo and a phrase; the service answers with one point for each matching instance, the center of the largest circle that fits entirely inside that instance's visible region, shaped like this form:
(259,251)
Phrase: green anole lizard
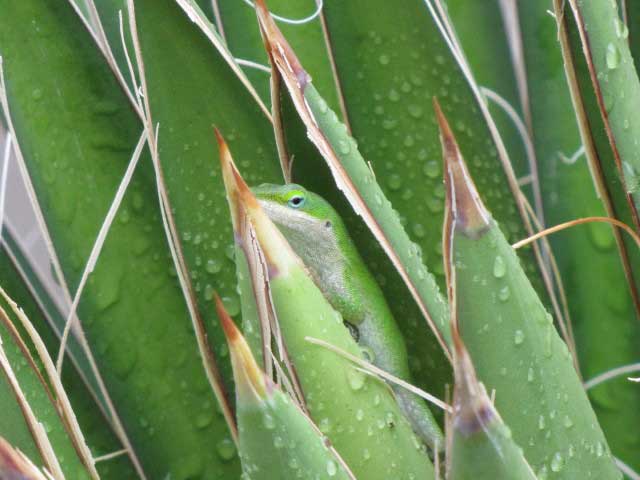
(317,234)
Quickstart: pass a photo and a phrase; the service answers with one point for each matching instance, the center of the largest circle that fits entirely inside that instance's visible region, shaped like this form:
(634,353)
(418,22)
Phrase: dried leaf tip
(250,382)
(278,254)
(234,184)
(463,201)
(473,409)
(15,465)
(278,48)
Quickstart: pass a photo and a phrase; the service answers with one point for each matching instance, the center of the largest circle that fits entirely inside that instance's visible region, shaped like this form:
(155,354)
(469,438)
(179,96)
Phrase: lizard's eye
(296,201)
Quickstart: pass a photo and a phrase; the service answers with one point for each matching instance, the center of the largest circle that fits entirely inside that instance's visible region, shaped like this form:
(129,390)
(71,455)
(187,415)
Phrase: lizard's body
(318,235)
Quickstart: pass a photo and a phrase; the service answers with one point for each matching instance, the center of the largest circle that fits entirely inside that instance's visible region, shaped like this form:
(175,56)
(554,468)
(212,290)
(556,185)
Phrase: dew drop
(203,419)
(568,423)
(344,147)
(504,293)
(499,267)
(599,449)
(419,230)
(231,305)
(541,422)
(332,469)
(384,59)
(612,57)
(268,422)
(323,106)
(431,169)
(389,124)
(213,266)
(557,462)
(356,379)
(324,425)
(394,182)
(518,337)
(622,32)
(226,449)
(631,179)
(601,236)
(415,111)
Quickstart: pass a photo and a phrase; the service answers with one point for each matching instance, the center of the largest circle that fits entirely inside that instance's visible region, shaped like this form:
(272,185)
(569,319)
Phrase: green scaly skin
(318,235)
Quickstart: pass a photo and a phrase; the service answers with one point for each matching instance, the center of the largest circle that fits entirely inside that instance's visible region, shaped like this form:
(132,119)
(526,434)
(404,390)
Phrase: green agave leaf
(585,255)
(98,432)
(276,439)
(77,133)
(251,314)
(602,160)
(342,147)
(359,415)
(603,39)
(13,424)
(389,81)
(243,38)
(490,61)
(516,349)
(338,401)
(629,12)
(187,99)
(429,366)
(589,262)
(355,178)
(27,286)
(31,390)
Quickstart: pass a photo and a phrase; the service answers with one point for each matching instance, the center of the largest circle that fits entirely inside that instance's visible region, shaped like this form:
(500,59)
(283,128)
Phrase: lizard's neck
(316,243)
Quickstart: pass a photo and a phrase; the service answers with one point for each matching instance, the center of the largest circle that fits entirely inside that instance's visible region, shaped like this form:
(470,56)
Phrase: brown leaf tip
(251,382)
(469,213)
(473,409)
(222,144)
(245,207)
(231,332)
(235,185)
(279,49)
(14,465)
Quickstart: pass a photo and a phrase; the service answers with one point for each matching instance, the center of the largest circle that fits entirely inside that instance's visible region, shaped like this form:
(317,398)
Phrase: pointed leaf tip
(243,203)
(250,380)
(14,465)
(278,48)
(235,185)
(464,204)
(221,143)
(231,332)
(473,409)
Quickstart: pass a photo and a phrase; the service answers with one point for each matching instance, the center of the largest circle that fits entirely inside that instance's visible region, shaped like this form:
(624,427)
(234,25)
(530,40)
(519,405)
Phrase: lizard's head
(295,208)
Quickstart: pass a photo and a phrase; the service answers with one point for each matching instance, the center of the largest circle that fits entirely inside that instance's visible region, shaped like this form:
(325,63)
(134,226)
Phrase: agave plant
(476,160)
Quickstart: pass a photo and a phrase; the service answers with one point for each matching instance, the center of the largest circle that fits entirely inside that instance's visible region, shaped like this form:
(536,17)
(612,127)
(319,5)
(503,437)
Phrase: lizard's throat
(314,242)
